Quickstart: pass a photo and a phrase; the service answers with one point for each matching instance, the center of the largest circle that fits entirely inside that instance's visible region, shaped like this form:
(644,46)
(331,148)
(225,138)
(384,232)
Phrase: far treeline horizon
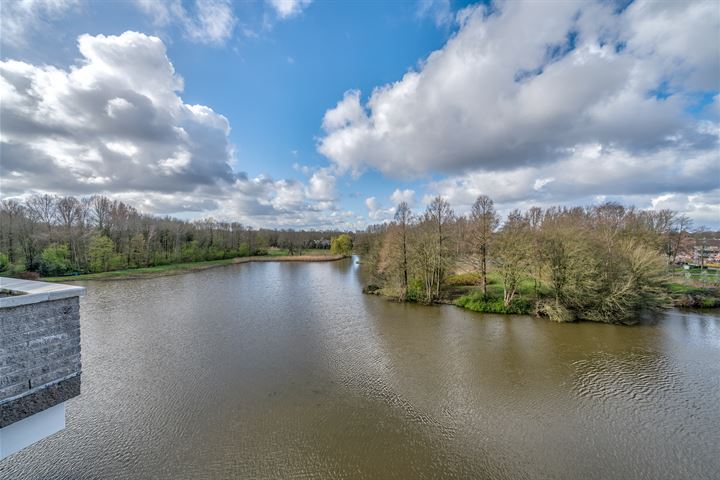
(608,261)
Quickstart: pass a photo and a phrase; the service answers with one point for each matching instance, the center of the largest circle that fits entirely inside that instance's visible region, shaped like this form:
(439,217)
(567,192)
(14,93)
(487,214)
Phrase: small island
(606,263)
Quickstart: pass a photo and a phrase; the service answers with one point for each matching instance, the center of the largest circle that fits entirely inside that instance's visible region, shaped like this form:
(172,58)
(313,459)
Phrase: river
(286,370)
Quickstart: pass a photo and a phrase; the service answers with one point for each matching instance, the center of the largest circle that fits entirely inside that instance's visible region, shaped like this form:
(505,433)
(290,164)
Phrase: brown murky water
(275,370)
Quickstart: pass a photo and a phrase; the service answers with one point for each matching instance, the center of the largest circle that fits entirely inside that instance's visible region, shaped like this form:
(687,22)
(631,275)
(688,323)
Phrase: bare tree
(437,221)
(101,209)
(403,218)
(678,235)
(512,254)
(483,222)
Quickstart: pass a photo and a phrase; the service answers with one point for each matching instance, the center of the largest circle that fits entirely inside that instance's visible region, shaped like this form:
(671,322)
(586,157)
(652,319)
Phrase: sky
(324,114)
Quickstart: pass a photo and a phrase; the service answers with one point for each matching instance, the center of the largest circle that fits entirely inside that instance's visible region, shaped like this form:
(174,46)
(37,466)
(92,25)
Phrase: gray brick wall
(39,343)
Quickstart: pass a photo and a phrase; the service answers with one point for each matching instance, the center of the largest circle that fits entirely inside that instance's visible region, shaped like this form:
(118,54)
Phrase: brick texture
(39,344)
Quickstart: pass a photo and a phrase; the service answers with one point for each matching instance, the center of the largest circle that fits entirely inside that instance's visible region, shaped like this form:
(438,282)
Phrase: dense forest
(51,236)
(604,263)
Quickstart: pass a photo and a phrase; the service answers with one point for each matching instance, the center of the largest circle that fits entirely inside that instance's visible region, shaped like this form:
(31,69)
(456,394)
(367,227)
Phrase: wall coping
(30,291)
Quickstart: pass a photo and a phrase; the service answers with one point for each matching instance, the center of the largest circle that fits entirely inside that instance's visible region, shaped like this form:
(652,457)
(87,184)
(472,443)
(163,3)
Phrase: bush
(55,260)
(16,269)
(341,245)
(709,302)
(462,279)
(27,275)
(371,288)
(477,302)
(243,250)
(117,262)
(4,263)
(102,250)
(555,312)
(415,291)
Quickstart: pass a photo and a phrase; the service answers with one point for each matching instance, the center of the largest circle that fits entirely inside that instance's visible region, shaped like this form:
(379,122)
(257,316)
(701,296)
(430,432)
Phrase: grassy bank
(277,255)
(684,295)
(463,291)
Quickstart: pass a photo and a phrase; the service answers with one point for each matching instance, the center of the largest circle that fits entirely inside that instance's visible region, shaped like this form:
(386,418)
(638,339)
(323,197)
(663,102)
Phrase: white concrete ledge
(31,429)
(25,292)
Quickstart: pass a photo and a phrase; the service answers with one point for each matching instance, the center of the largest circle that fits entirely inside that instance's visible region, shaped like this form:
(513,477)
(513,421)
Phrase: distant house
(322,243)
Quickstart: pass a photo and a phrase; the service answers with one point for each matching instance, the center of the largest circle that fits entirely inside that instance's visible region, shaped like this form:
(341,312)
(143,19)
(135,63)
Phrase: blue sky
(334,111)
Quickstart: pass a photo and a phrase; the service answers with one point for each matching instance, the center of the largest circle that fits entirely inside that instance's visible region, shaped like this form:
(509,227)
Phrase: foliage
(484,220)
(55,260)
(555,311)
(101,251)
(243,250)
(4,262)
(341,245)
(30,226)
(605,263)
(433,252)
(512,256)
(462,279)
(477,302)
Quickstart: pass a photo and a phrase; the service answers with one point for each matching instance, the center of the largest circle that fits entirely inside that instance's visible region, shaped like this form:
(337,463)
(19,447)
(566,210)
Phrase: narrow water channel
(281,370)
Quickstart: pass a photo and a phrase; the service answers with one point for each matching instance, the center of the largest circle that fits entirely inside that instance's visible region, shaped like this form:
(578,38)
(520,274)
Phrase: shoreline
(700,299)
(183,268)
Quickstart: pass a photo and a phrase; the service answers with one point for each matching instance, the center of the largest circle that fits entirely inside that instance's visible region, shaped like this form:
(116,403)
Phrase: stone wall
(39,357)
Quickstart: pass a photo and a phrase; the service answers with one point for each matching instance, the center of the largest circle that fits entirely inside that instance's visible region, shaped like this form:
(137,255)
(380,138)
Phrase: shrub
(101,249)
(709,302)
(477,302)
(341,245)
(243,250)
(415,291)
(555,312)
(462,279)
(55,260)
(4,263)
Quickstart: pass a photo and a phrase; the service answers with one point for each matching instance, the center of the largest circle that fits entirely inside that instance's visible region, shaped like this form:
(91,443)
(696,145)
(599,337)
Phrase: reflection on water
(280,370)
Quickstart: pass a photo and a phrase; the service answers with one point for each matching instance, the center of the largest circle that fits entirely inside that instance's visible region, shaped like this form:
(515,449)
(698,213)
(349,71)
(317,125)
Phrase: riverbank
(182,268)
(463,290)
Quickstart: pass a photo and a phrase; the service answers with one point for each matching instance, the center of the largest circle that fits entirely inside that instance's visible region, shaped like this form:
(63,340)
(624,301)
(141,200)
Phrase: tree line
(54,235)
(603,263)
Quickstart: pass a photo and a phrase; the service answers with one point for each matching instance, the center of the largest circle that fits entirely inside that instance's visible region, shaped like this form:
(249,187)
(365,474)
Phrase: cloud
(593,175)
(348,112)
(547,103)
(212,21)
(407,196)
(522,83)
(378,213)
(704,208)
(590,170)
(115,124)
(116,117)
(21,18)
(288,8)
(322,186)
(439,11)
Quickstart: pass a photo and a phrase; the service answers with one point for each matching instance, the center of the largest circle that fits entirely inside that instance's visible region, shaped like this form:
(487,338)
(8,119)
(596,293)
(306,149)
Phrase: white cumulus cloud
(288,8)
(114,123)
(548,102)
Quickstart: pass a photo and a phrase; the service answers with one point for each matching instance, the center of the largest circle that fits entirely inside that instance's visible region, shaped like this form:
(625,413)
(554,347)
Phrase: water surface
(280,370)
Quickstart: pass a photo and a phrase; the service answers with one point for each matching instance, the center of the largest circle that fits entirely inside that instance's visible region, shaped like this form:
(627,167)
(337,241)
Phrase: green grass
(478,303)
(684,295)
(681,288)
(709,270)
